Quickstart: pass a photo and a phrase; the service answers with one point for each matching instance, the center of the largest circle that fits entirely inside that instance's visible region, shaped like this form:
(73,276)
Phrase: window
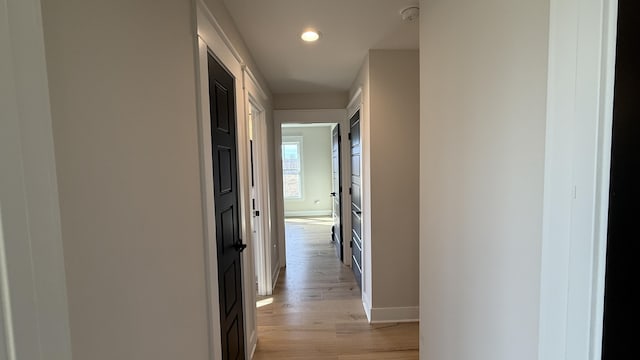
(292,168)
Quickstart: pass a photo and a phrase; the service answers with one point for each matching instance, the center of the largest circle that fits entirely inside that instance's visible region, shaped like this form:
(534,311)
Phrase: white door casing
(34,320)
(256,100)
(576,184)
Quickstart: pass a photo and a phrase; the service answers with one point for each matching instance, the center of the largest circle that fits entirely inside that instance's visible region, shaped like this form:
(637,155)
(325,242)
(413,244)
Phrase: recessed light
(310,36)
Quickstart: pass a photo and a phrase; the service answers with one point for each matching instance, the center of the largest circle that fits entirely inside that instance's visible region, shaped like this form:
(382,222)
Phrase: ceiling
(349,28)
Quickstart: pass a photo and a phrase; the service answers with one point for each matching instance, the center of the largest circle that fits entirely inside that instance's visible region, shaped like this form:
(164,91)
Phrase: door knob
(333,194)
(240,246)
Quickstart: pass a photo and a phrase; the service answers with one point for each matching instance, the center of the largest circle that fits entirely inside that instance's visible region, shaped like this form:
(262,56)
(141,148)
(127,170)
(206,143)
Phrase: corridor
(316,310)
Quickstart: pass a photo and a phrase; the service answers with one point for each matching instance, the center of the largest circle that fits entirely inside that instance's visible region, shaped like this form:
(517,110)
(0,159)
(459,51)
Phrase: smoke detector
(410,13)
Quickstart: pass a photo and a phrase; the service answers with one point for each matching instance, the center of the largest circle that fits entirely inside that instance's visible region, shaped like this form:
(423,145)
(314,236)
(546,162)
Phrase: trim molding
(34,315)
(581,71)
(395,315)
(355,103)
(276,275)
(307,213)
(203,9)
(367,307)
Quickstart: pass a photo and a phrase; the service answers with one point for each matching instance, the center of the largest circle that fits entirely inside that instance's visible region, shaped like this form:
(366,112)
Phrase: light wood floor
(316,310)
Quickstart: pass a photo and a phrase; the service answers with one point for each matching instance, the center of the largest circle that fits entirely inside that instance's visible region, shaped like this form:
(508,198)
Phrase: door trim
(257,99)
(34,317)
(209,35)
(356,103)
(576,182)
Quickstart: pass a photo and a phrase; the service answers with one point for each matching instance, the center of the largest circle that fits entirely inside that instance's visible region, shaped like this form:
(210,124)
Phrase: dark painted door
(356,199)
(622,300)
(336,192)
(227,212)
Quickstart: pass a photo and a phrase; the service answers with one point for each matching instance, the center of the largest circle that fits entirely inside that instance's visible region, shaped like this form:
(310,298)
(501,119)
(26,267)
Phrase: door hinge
(350,243)
(349,191)
(349,136)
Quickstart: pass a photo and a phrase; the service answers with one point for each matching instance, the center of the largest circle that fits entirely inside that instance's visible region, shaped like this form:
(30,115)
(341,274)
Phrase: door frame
(34,317)
(356,103)
(582,44)
(257,99)
(340,236)
(320,116)
(209,35)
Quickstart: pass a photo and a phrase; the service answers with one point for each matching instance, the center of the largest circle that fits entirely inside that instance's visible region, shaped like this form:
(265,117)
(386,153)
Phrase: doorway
(260,201)
(307,169)
(229,245)
(301,202)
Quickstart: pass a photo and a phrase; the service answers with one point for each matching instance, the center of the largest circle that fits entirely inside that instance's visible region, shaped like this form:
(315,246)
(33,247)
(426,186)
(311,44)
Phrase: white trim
(306,213)
(261,194)
(310,116)
(33,296)
(603,174)
(394,315)
(212,37)
(211,263)
(275,274)
(206,18)
(299,142)
(355,103)
(7,337)
(253,82)
(367,308)
(577,153)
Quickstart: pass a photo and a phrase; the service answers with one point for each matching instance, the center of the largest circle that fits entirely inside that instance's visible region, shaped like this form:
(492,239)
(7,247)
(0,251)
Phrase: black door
(356,199)
(227,212)
(622,302)
(336,192)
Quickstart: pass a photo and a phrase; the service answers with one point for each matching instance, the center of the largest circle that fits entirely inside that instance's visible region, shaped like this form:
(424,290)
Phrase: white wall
(316,171)
(395,150)
(124,121)
(126,147)
(390,142)
(483,89)
(337,100)
(34,321)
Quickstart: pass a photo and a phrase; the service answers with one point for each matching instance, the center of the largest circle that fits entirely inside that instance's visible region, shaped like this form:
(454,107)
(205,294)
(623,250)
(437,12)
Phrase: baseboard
(394,314)
(367,307)
(253,344)
(307,213)
(275,274)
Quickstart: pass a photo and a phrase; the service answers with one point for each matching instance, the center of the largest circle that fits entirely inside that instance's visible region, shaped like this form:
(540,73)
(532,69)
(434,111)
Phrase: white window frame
(299,141)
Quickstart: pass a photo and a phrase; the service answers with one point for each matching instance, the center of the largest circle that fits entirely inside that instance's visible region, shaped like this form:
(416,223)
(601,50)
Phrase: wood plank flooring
(316,309)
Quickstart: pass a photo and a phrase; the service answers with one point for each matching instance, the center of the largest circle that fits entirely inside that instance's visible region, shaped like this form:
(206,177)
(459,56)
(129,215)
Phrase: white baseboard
(307,213)
(394,314)
(253,344)
(275,274)
(366,306)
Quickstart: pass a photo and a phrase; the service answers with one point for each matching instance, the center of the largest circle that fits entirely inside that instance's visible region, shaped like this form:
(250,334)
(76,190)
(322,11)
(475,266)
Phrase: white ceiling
(349,28)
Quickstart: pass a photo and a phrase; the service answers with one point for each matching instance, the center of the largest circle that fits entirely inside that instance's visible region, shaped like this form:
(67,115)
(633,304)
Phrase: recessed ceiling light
(310,36)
